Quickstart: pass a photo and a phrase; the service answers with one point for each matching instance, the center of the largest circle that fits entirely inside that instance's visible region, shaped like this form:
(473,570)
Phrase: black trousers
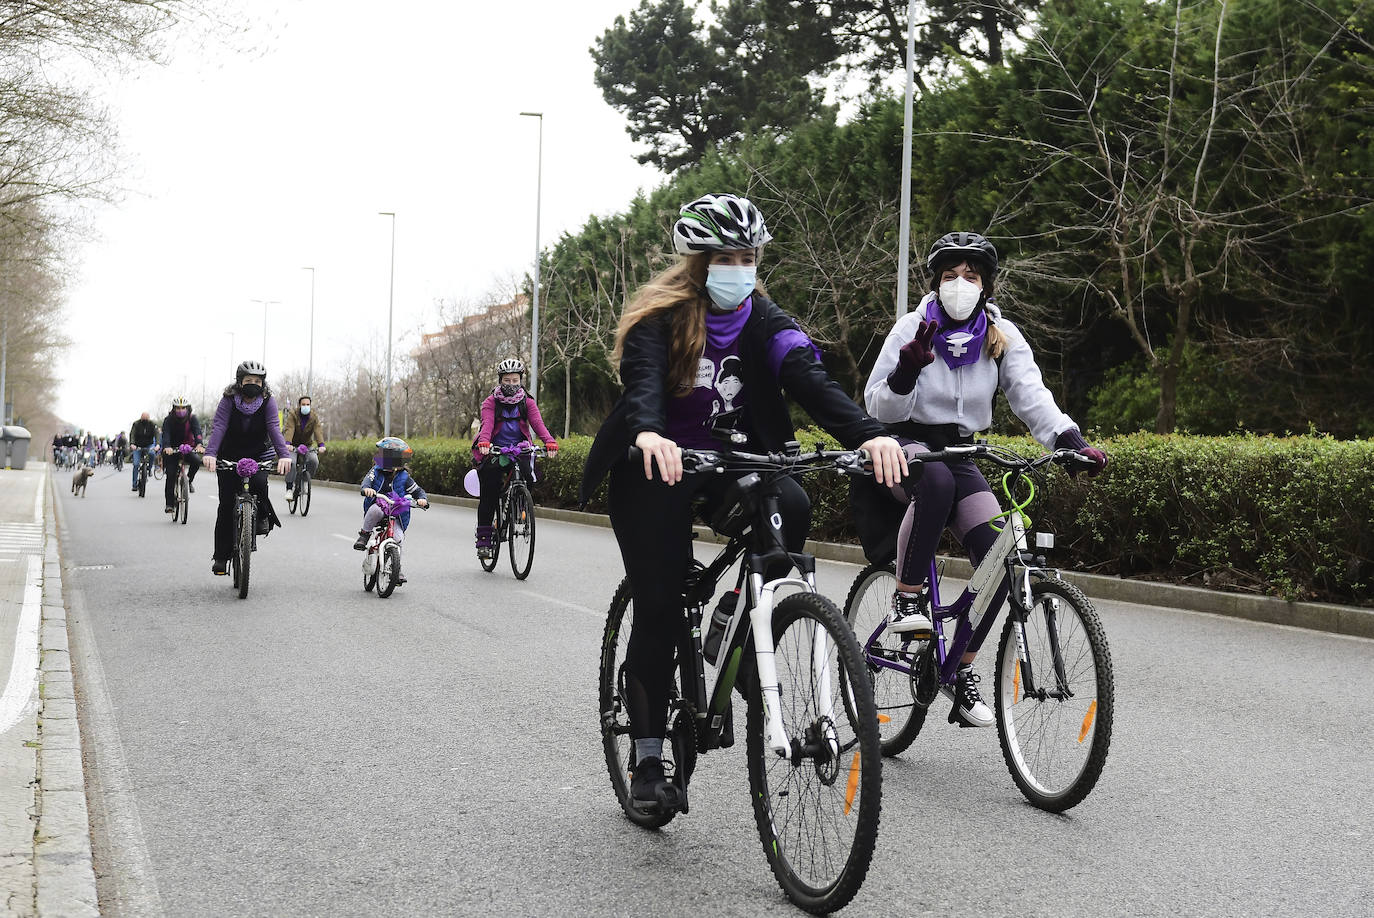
(491,474)
(229,487)
(652,525)
(170,471)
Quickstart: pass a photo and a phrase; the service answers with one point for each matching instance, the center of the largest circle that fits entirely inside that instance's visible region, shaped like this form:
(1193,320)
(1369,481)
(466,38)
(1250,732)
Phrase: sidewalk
(45,848)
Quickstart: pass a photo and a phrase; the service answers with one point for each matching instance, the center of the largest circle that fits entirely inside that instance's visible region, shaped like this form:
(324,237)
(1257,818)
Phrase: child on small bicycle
(389,475)
(931,404)
(509,416)
(701,346)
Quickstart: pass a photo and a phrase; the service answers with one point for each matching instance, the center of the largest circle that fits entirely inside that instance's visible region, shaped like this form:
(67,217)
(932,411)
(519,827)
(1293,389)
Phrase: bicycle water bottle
(720,619)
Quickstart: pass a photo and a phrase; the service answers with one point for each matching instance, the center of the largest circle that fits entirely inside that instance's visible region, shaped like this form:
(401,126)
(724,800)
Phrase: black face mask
(251,391)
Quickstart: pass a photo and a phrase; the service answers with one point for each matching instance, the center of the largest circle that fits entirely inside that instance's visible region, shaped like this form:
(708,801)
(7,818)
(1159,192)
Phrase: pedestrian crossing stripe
(20,537)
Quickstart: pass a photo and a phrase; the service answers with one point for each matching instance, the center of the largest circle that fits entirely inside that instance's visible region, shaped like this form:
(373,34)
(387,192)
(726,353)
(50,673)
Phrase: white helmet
(719,222)
(510,365)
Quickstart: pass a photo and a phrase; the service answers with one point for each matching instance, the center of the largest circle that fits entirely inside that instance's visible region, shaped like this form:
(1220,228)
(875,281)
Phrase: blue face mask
(305,409)
(729,285)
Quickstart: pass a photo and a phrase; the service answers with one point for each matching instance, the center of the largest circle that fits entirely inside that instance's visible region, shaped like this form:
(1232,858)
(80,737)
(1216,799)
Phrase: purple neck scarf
(248,406)
(723,328)
(958,346)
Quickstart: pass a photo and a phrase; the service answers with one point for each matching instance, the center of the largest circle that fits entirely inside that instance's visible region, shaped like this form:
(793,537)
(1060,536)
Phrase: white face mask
(729,285)
(959,297)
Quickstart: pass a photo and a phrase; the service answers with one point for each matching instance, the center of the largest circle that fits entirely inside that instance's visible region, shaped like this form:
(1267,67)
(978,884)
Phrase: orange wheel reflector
(884,719)
(1088,720)
(1016,683)
(853,786)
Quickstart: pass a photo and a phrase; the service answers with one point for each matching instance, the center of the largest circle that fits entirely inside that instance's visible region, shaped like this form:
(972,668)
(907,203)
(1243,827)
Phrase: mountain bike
(814,760)
(1054,690)
(182,489)
(245,523)
(145,465)
(300,491)
(382,561)
(514,523)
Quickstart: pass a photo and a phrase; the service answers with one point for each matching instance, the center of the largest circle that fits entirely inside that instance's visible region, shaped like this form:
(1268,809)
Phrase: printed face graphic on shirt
(728,382)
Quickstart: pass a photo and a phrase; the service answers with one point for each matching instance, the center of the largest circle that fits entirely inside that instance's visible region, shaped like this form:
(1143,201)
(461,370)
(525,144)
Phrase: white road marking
(18,698)
(38,498)
(595,613)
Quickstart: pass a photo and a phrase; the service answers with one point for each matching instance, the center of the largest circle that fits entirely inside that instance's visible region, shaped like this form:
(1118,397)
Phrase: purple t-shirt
(718,388)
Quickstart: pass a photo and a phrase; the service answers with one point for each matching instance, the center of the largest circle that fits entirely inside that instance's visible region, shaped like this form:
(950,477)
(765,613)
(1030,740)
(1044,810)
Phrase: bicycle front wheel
(183,499)
(817,809)
(143,482)
(1055,697)
(889,659)
(615,713)
(303,493)
(244,548)
(390,573)
(520,531)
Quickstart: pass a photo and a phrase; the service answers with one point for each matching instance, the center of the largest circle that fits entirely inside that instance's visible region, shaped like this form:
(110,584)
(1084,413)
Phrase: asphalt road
(313,750)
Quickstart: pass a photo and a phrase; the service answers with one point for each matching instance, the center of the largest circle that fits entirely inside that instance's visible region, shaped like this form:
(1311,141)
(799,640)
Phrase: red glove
(550,446)
(483,446)
(1072,439)
(914,356)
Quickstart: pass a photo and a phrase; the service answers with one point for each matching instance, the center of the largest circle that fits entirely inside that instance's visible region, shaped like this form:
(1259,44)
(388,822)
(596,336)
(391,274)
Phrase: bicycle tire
(157,472)
(520,531)
(370,570)
(245,546)
(303,493)
(497,536)
(614,713)
(817,814)
(1055,749)
(143,481)
(869,603)
(183,511)
(389,574)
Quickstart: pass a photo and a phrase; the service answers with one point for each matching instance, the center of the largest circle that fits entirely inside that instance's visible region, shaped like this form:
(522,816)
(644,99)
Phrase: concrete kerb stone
(1336,619)
(63,863)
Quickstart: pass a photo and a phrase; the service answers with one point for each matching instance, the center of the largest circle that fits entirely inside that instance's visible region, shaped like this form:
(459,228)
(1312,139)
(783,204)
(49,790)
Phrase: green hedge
(1291,517)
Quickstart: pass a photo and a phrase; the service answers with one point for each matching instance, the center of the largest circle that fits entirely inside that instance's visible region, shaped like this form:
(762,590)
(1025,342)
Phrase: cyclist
(180,426)
(245,427)
(389,475)
(675,336)
(509,415)
(143,435)
(933,403)
(302,429)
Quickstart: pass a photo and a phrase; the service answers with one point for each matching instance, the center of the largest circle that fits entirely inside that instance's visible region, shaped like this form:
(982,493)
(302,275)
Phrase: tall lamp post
(310,371)
(265,304)
(391,300)
(904,231)
(534,312)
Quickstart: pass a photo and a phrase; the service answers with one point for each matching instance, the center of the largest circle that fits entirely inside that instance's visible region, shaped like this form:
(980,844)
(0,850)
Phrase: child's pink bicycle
(382,558)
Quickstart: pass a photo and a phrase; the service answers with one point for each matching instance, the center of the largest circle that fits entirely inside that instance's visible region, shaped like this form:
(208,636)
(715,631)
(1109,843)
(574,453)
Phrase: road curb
(1313,616)
(64,869)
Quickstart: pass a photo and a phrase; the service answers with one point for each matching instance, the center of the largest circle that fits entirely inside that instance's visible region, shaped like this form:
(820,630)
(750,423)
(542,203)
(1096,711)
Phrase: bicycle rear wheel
(520,531)
(489,564)
(303,493)
(1055,721)
(244,548)
(390,574)
(868,607)
(817,810)
(370,569)
(615,715)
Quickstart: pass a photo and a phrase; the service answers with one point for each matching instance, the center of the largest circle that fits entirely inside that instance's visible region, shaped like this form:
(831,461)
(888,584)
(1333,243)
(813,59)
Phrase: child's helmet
(392,453)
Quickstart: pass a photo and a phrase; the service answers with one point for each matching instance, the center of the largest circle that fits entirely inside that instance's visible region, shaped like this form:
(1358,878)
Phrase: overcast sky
(241,168)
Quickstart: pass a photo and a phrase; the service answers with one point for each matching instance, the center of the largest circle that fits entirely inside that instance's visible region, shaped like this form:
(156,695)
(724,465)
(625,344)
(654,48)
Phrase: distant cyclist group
(703,430)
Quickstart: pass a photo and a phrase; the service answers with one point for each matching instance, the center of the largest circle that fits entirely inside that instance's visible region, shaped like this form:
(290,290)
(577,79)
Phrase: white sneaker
(969,709)
(909,618)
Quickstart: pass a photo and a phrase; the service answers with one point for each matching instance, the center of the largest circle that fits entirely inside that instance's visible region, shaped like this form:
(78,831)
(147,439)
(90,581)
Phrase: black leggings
(229,486)
(652,525)
(492,474)
(170,473)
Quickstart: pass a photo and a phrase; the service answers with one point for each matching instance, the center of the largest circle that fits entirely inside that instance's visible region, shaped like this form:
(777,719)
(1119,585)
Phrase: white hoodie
(963,396)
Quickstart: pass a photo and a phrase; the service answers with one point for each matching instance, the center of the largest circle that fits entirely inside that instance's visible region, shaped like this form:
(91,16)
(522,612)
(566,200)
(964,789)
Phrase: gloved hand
(1072,439)
(914,356)
(483,447)
(551,447)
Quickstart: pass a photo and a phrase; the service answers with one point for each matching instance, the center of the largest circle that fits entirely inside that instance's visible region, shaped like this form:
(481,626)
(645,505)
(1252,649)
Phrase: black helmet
(952,248)
(250,368)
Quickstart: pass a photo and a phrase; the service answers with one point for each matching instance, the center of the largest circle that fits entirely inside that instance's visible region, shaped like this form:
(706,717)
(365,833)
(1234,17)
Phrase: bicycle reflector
(1044,540)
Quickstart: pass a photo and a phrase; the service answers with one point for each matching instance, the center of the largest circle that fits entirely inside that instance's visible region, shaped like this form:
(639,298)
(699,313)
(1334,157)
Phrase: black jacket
(173,427)
(142,433)
(643,404)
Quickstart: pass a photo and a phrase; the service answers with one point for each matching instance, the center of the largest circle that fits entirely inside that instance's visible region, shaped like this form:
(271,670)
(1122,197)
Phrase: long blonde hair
(678,290)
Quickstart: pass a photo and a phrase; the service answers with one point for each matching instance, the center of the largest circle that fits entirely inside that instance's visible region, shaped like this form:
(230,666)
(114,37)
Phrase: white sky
(241,169)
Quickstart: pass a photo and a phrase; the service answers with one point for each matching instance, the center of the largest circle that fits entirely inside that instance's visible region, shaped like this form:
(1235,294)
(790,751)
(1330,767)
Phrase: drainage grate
(94,567)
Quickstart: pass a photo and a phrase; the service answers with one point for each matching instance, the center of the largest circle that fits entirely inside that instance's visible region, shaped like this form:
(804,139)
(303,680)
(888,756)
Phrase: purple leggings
(953,494)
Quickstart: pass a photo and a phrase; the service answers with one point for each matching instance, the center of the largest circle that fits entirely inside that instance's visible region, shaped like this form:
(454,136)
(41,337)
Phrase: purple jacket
(225,410)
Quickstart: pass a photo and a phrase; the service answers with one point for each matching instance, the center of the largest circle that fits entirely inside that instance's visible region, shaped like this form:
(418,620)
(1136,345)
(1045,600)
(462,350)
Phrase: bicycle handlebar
(1002,456)
(702,461)
(244,468)
(523,448)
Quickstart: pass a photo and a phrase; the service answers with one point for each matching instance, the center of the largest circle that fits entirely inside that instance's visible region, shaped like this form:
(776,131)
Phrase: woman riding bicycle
(180,426)
(932,404)
(509,416)
(681,328)
(246,426)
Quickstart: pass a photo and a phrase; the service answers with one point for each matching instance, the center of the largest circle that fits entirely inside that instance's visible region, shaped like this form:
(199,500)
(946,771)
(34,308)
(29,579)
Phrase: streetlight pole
(390,304)
(904,231)
(265,304)
(534,312)
(310,371)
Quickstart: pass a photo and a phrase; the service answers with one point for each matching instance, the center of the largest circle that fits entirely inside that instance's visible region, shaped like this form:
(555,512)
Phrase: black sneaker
(910,616)
(361,543)
(169,509)
(969,709)
(650,787)
(264,526)
(219,568)
(192,486)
